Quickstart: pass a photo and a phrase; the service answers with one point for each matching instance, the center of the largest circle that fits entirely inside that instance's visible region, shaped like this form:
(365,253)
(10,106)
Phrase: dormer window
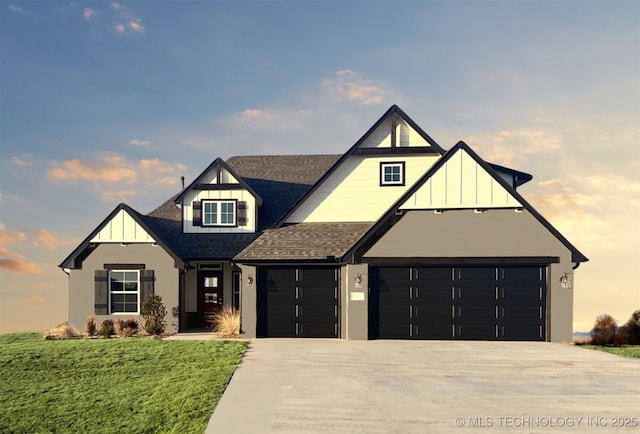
(218,213)
(392,173)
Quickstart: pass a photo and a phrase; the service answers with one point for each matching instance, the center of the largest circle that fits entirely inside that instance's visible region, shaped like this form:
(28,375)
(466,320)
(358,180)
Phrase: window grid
(124,291)
(392,173)
(218,213)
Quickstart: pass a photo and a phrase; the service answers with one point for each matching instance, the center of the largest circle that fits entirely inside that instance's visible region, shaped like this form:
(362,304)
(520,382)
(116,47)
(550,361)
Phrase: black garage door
(298,302)
(451,302)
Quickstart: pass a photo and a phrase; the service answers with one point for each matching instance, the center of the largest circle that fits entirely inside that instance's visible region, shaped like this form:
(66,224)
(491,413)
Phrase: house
(395,239)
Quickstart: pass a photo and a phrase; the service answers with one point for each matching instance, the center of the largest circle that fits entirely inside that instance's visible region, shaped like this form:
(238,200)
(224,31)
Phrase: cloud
(16,9)
(109,169)
(33,299)
(116,6)
(515,145)
(126,22)
(8,238)
(138,142)
(109,174)
(89,14)
(21,161)
(118,195)
(351,86)
(44,239)
(20,265)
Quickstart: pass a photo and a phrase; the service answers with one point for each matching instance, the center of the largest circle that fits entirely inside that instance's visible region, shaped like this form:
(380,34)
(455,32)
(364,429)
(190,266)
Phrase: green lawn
(627,351)
(132,385)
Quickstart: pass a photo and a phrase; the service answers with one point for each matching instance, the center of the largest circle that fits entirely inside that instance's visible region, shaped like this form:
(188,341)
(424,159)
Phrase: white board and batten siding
(461,183)
(352,193)
(405,136)
(122,228)
(199,195)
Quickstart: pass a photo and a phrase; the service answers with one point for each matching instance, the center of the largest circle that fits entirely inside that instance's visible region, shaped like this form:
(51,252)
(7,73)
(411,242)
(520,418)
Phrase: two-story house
(395,239)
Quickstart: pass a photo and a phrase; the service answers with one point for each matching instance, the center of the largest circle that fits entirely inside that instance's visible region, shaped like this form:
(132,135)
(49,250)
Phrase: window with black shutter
(197,213)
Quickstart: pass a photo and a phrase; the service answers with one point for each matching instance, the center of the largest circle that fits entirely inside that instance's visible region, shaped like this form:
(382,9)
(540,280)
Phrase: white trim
(218,212)
(137,292)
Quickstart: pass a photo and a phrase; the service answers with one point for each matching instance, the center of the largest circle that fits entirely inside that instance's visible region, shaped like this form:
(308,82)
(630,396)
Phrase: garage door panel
(527,274)
(317,311)
(312,296)
(472,295)
(395,313)
(439,331)
(476,331)
(317,330)
(514,314)
(424,296)
(476,314)
(522,332)
(432,314)
(394,331)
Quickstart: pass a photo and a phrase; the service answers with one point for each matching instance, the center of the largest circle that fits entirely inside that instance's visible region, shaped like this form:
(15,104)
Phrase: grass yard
(133,385)
(627,351)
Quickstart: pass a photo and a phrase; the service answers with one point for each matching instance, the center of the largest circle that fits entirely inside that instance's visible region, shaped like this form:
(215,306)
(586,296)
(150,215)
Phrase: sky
(107,102)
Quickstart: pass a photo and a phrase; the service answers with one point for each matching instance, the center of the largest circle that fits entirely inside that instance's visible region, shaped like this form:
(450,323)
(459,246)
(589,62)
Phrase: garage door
(298,302)
(455,302)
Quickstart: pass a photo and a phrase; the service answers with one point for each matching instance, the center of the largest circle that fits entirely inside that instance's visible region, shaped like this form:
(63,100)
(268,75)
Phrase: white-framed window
(392,173)
(124,291)
(218,213)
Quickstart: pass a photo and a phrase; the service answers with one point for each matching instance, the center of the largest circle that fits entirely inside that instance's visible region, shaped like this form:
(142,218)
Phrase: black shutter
(147,279)
(242,213)
(197,213)
(101,288)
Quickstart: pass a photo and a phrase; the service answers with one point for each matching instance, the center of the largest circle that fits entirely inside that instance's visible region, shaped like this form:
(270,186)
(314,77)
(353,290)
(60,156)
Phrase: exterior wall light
(565,281)
(250,280)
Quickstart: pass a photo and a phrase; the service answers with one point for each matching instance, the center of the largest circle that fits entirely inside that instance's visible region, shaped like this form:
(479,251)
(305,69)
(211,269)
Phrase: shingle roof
(279,180)
(304,241)
(296,169)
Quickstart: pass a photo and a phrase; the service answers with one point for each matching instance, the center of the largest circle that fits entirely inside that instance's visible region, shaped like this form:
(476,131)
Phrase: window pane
(226,209)
(131,276)
(210,213)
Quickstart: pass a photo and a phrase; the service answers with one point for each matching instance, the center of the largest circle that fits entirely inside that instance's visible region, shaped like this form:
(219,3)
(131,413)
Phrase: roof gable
(218,176)
(123,219)
(122,228)
(392,215)
(381,139)
(460,180)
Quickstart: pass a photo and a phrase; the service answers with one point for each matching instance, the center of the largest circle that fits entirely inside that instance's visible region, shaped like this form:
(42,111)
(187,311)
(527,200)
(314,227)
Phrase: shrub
(107,328)
(154,312)
(227,322)
(621,337)
(90,326)
(126,328)
(604,330)
(633,328)
(63,331)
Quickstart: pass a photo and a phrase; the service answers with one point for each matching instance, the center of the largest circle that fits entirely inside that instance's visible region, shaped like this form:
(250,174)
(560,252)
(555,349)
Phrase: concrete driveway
(333,386)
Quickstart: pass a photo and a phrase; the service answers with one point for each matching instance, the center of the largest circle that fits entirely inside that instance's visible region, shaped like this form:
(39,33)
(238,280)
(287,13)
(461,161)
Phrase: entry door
(209,296)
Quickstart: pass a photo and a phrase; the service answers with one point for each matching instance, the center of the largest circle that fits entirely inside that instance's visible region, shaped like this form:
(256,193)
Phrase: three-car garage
(409,302)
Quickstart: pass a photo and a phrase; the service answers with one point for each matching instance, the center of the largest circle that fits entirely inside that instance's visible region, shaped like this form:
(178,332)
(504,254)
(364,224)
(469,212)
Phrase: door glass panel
(210,282)
(210,297)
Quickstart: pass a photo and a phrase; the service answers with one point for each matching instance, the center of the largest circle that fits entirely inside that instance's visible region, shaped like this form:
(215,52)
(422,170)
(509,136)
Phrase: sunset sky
(107,102)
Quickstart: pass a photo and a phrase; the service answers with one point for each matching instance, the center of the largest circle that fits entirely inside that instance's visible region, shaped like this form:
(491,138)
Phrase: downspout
(67,271)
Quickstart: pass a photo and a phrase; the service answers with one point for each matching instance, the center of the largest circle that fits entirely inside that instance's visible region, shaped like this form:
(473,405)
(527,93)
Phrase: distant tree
(604,330)
(633,328)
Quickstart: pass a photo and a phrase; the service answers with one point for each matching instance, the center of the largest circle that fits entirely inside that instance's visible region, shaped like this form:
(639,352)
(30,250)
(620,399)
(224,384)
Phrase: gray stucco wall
(354,302)
(81,281)
(494,233)
(248,302)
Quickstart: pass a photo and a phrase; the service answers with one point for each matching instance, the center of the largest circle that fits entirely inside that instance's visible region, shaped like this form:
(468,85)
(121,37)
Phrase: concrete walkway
(333,386)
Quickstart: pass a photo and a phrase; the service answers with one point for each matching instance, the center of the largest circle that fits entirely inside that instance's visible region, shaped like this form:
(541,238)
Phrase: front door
(209,296)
